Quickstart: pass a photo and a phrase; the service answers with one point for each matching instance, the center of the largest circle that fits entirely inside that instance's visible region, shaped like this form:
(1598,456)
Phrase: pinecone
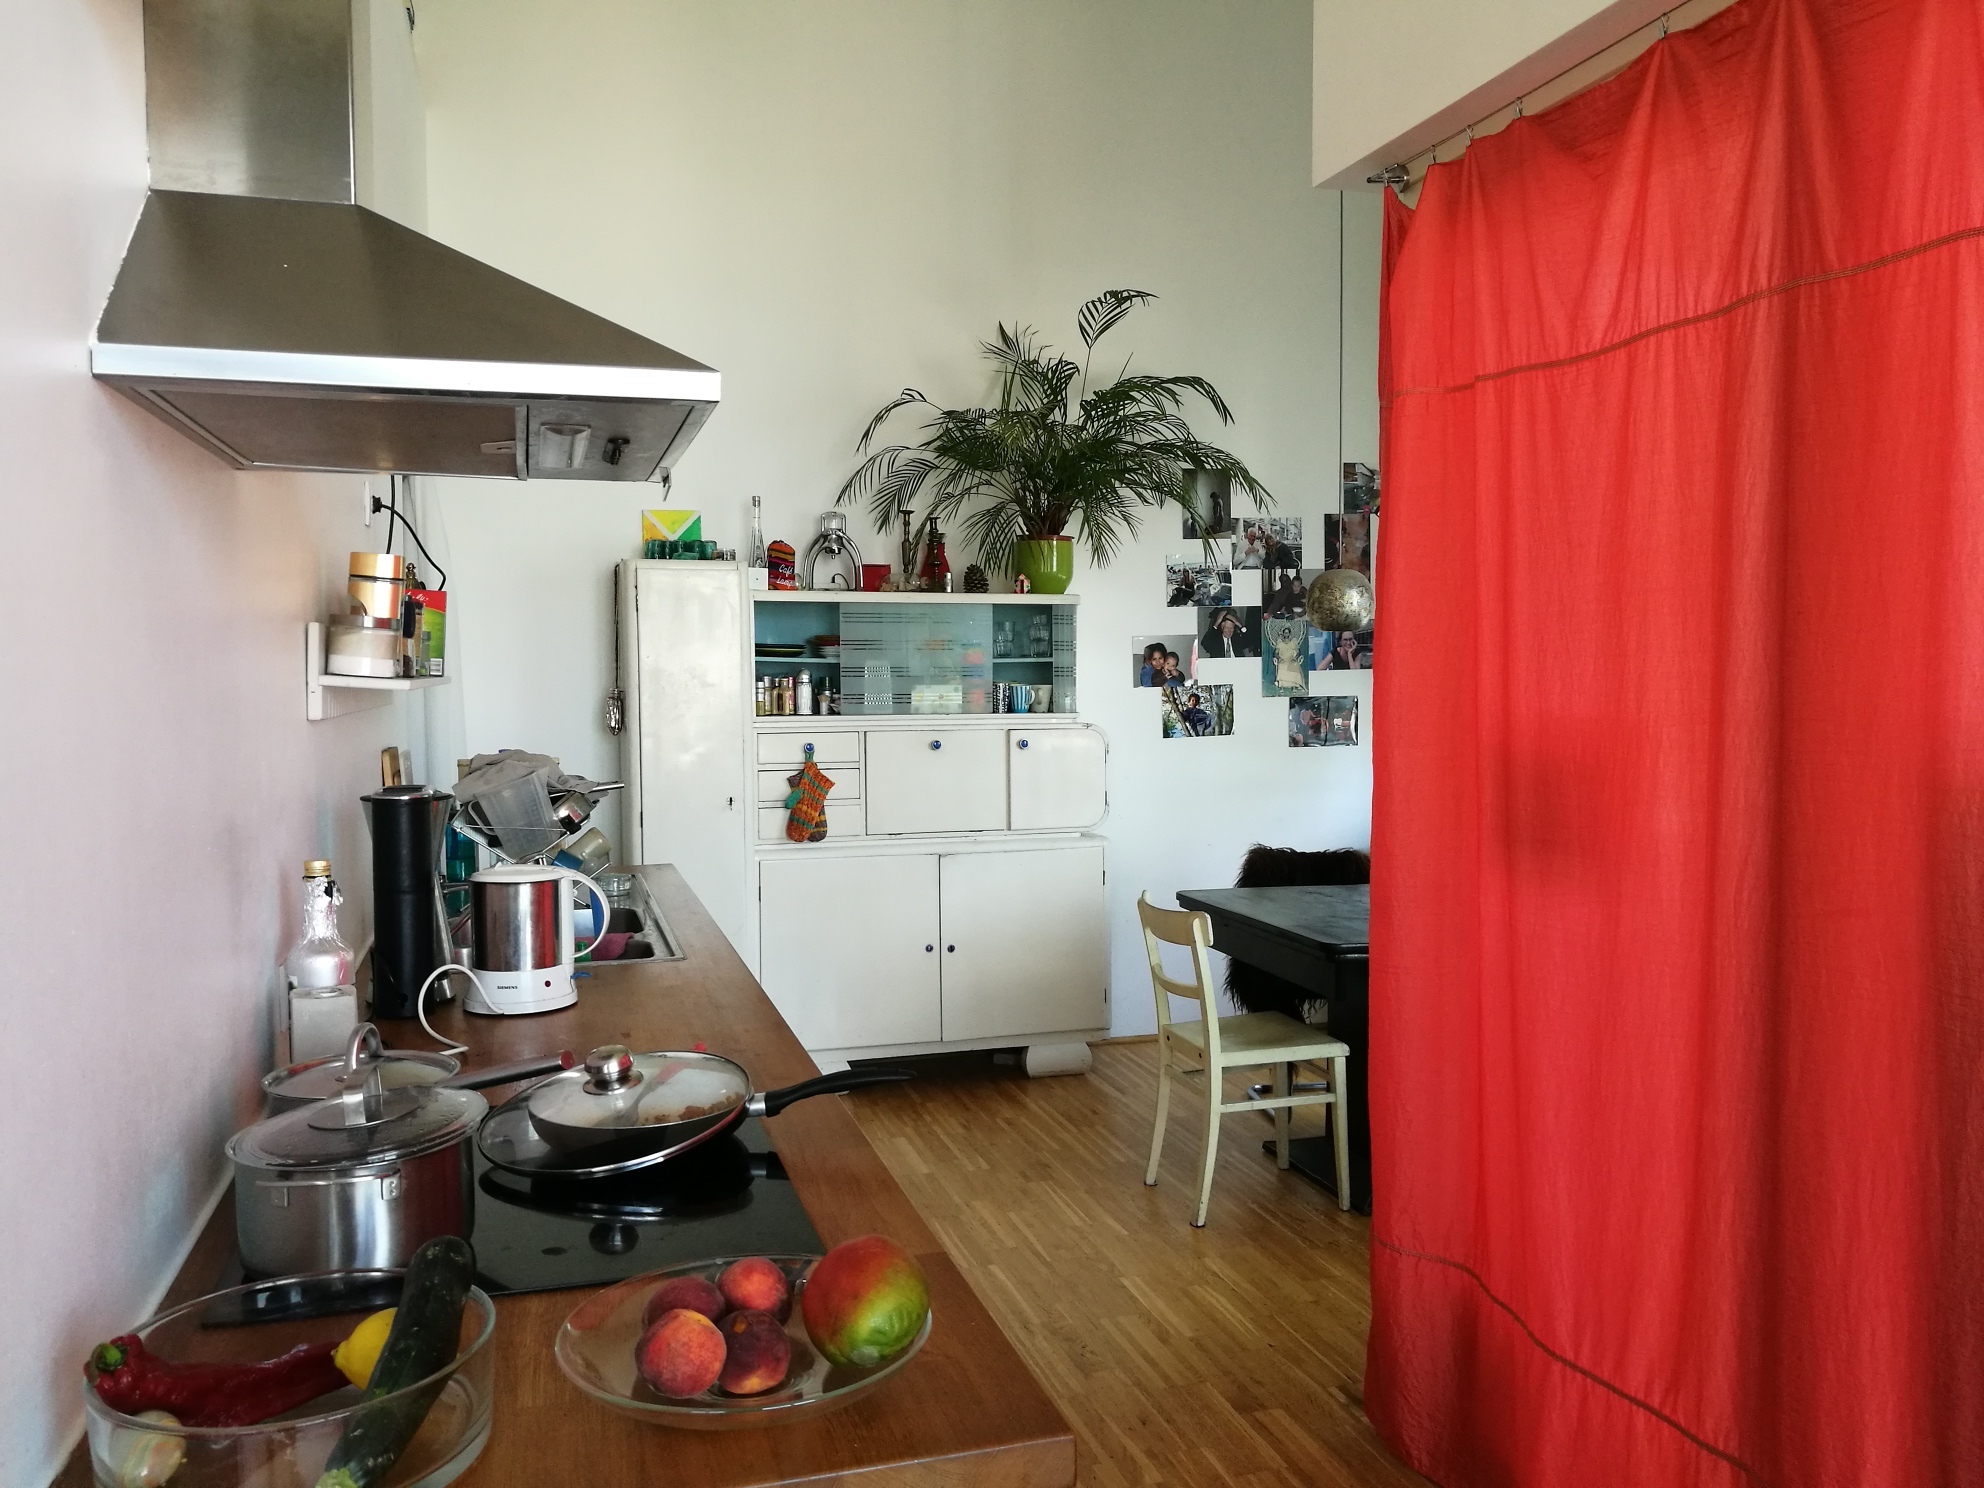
(975,581)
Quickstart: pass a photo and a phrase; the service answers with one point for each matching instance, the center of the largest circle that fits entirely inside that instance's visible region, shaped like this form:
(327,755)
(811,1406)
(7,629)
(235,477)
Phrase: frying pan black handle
(509,1074)
(777,1100)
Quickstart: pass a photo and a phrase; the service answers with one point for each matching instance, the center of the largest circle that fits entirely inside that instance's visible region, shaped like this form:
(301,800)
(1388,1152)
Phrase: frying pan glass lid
(616,1088)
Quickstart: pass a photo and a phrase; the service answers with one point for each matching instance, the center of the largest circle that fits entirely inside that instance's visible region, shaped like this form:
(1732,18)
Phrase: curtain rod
(1400,175)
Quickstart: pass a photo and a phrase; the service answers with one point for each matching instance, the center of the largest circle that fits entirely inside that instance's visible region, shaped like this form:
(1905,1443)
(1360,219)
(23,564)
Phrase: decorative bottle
(323,995)
(758,557)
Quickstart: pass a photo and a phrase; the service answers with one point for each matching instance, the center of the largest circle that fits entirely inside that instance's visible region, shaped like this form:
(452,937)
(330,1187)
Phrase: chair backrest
(1180,927)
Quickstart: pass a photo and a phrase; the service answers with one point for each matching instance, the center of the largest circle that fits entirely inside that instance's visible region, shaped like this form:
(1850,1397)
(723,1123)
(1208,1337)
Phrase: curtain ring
(1518,108)
(1470,134)
(1663,25)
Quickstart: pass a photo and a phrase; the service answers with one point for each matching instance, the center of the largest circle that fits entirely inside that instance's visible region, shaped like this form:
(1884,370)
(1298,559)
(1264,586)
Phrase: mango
(864,1301)
(757,1353)
(681,1355)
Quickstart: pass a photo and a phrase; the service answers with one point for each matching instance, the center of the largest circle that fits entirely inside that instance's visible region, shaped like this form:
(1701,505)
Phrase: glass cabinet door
(910,658)
(923,658)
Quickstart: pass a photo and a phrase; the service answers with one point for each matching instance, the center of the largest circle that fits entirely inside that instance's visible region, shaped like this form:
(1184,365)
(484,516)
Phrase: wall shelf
(327,695)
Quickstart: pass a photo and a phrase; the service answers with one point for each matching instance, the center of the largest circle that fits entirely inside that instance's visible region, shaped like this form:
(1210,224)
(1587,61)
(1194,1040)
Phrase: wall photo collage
(1247,590)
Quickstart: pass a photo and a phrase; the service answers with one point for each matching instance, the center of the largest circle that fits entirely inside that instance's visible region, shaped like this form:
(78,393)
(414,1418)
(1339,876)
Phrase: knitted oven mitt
(808,802)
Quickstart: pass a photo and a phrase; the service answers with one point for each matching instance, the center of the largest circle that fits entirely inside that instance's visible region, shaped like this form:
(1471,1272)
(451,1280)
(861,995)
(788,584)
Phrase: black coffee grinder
(409,926)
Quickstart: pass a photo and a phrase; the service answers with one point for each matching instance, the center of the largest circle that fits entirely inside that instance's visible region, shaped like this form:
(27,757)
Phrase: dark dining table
(1319,938)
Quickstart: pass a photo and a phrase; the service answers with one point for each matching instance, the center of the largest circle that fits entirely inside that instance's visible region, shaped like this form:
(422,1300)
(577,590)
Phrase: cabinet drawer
(842,821)
(773,789)
(836,748)
(936,780)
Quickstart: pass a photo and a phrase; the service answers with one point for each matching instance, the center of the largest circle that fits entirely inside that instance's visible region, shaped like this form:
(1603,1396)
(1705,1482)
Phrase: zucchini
(426,1332)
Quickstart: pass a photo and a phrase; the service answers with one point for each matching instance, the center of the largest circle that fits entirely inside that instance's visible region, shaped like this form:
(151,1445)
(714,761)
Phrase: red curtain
(1677,1010)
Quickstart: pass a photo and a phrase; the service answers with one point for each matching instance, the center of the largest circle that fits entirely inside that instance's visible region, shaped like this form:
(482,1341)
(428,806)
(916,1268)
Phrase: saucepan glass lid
(623,1090)
(302,1138)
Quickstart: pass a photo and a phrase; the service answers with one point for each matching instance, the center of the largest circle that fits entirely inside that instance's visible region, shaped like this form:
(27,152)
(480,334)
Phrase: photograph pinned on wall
(1212,495)
(1198,710)
(1317,722)
(1268,542)
(1284,656)
(1163,660)
(1341,650)
(1360,488)
(1286,591)
(1350,540)
(1229,630)
(1198,584)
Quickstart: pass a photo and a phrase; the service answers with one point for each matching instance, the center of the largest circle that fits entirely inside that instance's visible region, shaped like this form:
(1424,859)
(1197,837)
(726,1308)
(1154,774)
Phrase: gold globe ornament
(1341,599)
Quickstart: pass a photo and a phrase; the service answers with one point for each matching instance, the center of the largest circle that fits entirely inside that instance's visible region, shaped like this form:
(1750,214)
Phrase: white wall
(828,202)
(162,788)
(1392,79)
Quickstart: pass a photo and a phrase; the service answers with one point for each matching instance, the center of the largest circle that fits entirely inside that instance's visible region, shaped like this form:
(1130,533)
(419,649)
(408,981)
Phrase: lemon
(359,1353)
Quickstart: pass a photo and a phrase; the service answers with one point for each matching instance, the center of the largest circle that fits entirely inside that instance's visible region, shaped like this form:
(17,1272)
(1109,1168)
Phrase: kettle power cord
(420,997)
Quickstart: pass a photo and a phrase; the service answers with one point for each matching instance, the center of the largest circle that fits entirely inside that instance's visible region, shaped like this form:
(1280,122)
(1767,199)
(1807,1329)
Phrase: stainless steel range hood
(272,318)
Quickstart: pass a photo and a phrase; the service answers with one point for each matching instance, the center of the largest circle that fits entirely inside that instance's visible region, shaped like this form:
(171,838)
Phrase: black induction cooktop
(728,1197)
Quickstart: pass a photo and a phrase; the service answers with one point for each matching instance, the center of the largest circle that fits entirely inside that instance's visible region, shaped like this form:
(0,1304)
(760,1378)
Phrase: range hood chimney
(263,312)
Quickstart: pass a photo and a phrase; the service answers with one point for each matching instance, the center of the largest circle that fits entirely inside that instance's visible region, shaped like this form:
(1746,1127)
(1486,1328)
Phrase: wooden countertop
(965,1411)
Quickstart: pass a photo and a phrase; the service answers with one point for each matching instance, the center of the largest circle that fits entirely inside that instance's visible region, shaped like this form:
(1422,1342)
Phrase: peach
(755,1284)
(757,1353)
(692,1292)
(682,1354)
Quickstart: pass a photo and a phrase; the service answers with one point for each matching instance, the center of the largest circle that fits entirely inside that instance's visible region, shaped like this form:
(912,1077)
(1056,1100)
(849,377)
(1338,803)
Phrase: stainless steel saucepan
(623,1111)
(363,1178)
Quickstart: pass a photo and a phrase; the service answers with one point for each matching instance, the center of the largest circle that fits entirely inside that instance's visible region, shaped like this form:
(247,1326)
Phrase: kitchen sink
(638,918)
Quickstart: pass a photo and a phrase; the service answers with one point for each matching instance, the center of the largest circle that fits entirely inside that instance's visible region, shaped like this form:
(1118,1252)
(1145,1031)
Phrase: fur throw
(1250,989)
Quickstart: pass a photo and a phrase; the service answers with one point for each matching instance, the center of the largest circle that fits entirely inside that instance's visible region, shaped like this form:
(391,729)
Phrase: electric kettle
(521,948)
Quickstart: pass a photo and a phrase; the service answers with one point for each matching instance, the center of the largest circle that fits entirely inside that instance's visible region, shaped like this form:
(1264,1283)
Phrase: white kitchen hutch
(957,901)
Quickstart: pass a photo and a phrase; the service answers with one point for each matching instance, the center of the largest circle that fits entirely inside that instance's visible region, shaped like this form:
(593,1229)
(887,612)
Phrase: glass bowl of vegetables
(248,1387)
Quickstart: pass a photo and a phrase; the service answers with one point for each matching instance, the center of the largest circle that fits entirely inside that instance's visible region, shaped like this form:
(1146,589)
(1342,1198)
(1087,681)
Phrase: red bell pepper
(129,1377)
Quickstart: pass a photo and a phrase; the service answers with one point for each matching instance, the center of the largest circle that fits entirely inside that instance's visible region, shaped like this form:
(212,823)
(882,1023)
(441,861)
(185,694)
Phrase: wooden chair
(1212,1045)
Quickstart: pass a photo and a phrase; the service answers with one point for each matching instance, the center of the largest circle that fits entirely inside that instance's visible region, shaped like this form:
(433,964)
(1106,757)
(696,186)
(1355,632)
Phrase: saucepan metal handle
(771,1102)
(509,1074)
(390,1184)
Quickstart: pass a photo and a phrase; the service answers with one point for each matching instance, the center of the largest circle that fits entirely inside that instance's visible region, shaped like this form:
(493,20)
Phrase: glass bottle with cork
(323,992)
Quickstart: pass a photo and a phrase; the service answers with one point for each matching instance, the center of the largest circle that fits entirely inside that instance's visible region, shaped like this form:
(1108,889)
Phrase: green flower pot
(1047,562)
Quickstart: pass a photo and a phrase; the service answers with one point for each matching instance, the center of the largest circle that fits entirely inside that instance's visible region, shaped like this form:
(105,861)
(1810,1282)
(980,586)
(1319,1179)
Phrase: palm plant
(1053,453)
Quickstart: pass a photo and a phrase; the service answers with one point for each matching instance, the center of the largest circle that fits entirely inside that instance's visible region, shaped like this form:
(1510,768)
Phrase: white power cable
(420,1004)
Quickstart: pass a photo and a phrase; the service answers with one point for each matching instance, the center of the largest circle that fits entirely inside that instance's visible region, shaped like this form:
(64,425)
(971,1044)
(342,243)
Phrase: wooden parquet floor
(1230,1355)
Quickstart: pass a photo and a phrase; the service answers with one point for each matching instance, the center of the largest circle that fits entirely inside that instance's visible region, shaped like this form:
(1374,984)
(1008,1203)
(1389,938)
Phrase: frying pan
(622,1111)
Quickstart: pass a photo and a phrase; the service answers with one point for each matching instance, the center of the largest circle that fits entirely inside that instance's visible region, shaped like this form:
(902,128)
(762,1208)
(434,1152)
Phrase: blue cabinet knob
(1022,743)
(936,743)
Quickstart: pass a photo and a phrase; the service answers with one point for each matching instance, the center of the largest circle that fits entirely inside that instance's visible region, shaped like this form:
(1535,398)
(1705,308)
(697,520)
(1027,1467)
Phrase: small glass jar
(361,646)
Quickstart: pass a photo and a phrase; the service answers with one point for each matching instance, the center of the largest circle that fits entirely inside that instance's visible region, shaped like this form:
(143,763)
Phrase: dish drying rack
(532,844)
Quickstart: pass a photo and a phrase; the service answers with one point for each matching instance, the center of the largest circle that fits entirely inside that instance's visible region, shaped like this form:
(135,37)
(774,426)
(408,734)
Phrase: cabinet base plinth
(1058,1059)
